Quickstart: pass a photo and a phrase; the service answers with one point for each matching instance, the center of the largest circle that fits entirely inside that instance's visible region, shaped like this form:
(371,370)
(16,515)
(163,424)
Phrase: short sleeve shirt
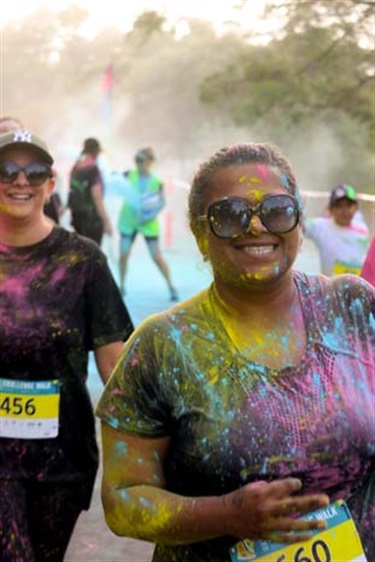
(58,301)
(342,249)
(232,421)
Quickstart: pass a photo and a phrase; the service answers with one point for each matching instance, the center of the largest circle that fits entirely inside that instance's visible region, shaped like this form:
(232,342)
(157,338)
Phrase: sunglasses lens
(36,173)
(8,172)
(279,213)
(229,217)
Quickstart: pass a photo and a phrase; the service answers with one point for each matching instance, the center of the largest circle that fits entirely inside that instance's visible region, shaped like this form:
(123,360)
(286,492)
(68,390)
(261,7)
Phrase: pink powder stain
(263,172)
(18,284)
(58,274)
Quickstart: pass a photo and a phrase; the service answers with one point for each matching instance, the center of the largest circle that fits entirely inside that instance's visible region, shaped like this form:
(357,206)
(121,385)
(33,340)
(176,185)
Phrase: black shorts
(37,519)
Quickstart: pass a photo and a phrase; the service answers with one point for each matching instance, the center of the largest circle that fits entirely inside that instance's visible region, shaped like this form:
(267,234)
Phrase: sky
(115,13)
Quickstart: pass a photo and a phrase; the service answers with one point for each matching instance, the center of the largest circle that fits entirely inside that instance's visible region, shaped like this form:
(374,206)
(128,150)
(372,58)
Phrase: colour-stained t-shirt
(58,300)
(342,249)
(232,421)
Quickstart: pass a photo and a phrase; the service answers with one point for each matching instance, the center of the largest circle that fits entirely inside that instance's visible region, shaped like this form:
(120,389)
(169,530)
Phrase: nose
(21,178)
(256,226)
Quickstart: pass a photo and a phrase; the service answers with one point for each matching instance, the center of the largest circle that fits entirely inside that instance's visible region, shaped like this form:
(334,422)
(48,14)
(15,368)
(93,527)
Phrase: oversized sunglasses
(36,172)
(231,216)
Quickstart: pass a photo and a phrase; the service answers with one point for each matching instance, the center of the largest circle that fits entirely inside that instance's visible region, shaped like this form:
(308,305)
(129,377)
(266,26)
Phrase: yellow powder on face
(256,194)
(249,180)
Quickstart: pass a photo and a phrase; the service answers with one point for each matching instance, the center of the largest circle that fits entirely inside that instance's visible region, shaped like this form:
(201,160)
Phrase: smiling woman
(241,408)
(58,302)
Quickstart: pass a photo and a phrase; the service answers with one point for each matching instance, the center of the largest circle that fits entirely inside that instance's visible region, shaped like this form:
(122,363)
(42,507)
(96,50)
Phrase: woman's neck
(24,232)
(256,302)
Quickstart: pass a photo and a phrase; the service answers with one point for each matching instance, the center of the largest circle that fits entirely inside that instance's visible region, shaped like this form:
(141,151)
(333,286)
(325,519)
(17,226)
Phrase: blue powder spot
(210,336)
(263,470)
(144,502)
(320,389)
(140,460)
(124,496)
(285,181)
(113,423)
(121,449)
(330,340)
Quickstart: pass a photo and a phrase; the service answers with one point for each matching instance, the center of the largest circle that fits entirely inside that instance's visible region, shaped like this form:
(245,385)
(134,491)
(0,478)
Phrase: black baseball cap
(343,191)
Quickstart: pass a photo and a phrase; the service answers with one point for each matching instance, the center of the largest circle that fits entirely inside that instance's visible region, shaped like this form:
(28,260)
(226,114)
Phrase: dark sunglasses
(231,216)
(36,172)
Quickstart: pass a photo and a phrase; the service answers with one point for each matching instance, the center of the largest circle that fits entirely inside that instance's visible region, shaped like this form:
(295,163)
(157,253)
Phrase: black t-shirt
(58,300)
(80,201)
(52,206)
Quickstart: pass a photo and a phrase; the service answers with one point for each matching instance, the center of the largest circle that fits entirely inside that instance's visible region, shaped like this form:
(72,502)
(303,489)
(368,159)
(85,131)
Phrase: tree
(322,62)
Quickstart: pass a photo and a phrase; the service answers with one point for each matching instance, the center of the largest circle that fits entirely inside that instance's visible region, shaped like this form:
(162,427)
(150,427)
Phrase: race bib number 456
(340,541)
(29,409)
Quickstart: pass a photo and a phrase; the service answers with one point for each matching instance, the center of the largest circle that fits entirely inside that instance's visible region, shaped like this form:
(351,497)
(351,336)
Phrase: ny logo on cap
(22,136)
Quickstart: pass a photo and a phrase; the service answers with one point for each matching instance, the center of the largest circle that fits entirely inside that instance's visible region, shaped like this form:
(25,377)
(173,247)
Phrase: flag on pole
(107,85)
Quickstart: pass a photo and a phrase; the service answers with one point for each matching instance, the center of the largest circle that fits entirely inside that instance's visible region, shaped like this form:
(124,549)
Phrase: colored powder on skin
(263,172)
(257,194)
(285,181)
(121,450)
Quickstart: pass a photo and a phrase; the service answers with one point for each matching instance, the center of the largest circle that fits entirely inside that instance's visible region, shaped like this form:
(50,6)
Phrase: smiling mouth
(259,250)
(19,196)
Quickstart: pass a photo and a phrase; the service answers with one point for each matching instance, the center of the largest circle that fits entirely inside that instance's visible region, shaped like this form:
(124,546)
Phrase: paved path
(147,293)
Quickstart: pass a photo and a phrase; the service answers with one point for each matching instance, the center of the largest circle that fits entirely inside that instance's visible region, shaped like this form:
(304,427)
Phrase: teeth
(258,250)
(20,197)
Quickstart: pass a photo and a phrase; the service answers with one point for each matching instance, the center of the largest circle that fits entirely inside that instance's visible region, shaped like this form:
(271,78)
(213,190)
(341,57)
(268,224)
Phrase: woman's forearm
(255,511)
(156,515)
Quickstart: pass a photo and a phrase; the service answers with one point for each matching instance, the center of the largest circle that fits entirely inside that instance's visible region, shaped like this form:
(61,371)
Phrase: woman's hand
(269,511)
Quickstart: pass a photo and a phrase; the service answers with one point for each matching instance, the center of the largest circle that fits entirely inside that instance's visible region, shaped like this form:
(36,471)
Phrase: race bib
(340,541)
(29,409)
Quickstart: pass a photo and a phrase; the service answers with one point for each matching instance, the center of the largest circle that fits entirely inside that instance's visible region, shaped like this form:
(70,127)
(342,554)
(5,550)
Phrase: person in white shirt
(342,237)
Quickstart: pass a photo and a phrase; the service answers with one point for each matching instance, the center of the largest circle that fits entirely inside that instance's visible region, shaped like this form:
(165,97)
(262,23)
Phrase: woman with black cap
(58,302)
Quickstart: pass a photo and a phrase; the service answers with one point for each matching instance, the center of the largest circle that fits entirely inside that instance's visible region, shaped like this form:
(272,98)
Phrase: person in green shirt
(144,199)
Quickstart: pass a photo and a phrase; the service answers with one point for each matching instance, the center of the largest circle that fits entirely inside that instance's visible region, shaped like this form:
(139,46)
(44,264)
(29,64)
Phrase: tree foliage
(324,62)
(189,94)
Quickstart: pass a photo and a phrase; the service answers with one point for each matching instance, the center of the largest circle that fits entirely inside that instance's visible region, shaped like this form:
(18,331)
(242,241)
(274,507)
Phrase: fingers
(285,487)
(299,505)
(271,510)
(292,531)
(288,538)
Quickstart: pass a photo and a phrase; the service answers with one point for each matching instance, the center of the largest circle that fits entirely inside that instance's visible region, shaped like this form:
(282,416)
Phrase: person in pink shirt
(368,269)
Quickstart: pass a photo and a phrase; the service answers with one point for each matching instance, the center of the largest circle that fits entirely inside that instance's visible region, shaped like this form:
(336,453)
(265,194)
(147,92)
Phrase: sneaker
(174,295)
